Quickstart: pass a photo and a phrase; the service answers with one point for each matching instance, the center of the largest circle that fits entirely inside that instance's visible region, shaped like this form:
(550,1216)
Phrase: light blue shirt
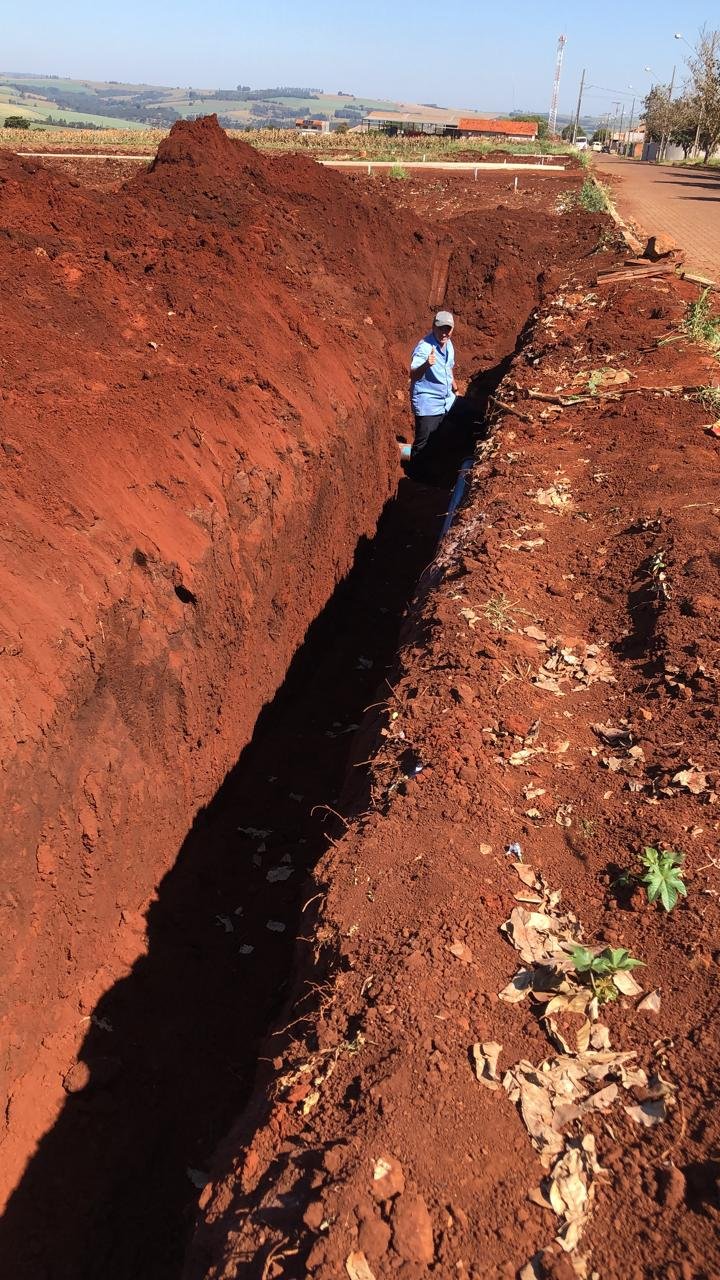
(433,393)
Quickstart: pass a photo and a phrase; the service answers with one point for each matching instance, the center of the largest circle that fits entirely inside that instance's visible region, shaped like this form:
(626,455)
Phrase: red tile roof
(518,128)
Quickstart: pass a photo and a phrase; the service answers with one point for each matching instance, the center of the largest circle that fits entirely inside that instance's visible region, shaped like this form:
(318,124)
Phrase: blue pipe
(457,495)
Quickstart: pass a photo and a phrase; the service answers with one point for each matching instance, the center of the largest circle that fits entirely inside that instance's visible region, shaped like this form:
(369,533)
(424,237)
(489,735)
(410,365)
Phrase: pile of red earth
(203,379)
(423,1108)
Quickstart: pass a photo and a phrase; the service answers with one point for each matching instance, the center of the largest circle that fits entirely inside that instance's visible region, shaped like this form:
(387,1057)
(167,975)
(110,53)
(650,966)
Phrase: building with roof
(434,120)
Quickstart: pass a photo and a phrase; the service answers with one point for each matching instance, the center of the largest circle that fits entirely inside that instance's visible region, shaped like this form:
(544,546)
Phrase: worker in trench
(440,413)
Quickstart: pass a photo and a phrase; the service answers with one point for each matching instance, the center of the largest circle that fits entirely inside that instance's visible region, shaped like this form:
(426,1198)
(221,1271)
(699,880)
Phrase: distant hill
(48,100)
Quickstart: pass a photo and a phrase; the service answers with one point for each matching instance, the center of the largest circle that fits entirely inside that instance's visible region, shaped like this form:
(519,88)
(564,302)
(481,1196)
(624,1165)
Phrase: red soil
(204,375)
(380,1066)
(199,410)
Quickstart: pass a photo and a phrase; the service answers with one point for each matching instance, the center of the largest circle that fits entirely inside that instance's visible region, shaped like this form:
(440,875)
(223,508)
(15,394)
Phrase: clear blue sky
(471,54)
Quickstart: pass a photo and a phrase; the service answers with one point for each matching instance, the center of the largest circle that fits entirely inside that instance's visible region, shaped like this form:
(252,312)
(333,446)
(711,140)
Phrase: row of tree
(691,119)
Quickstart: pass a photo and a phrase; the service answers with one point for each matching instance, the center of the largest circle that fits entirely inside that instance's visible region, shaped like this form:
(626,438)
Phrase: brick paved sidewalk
(682,203)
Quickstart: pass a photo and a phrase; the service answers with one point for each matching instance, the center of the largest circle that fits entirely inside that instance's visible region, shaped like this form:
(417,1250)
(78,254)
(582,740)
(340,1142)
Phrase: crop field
(140,140)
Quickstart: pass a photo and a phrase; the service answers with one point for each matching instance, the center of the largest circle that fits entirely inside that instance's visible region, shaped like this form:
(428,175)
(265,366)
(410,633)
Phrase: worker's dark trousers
(427,424)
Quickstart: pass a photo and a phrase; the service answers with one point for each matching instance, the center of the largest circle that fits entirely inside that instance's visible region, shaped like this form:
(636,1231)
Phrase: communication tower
(552,119)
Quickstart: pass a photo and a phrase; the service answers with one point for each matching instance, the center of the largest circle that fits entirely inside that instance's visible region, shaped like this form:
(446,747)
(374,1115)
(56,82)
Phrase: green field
(36,96)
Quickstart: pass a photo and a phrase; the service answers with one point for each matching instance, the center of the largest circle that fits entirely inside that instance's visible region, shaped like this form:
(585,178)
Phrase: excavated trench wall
(203,383)
(199,399)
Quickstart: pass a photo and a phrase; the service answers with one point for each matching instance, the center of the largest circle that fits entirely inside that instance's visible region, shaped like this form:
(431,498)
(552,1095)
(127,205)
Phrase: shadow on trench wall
(172,1048)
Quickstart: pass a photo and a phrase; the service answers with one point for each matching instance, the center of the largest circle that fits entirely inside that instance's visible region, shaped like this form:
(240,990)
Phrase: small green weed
(593,196)
(659,581)
(663,877)
(600,968)
(709,398)
(606,240)
(499,612)
(398,172)
(701,324)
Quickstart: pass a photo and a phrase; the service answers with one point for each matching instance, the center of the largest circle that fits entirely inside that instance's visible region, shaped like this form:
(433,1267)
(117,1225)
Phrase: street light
(696,144)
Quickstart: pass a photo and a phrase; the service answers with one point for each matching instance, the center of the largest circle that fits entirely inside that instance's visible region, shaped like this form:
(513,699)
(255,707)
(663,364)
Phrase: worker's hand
(431,359)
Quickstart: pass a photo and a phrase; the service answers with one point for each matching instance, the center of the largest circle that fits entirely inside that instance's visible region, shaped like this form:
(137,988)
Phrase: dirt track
(372,1058)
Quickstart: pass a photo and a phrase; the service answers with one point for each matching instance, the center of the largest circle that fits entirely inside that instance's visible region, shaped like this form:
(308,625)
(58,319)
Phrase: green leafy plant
(663,878)
(600,967)
(701,324)
(603,963)
(398,172)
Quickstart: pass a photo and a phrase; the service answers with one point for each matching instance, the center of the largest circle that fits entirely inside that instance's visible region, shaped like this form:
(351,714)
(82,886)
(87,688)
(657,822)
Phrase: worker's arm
(421,361)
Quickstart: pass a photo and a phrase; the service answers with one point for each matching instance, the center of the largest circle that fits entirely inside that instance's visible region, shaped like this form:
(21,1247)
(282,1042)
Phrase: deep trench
(172,1049)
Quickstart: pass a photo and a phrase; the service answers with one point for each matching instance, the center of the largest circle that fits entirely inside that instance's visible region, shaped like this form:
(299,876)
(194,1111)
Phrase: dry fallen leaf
(485,1057)
(518,987)
(648,1113)
(650,1004)
(526,874)
(357,1267)
(613,737)
(694,780)
(626,984)
(460,950)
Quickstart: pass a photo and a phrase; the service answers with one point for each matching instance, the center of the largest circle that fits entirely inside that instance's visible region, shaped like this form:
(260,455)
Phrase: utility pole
(577,113)
(630,126)
(622,117)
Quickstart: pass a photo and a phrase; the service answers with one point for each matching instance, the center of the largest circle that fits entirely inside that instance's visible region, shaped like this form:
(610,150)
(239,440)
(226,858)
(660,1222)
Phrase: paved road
(682,203)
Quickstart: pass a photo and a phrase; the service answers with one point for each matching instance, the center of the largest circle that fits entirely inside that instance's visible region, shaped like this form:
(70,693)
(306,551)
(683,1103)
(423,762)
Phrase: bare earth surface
(495,800)
(321,1020)
(682,203)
